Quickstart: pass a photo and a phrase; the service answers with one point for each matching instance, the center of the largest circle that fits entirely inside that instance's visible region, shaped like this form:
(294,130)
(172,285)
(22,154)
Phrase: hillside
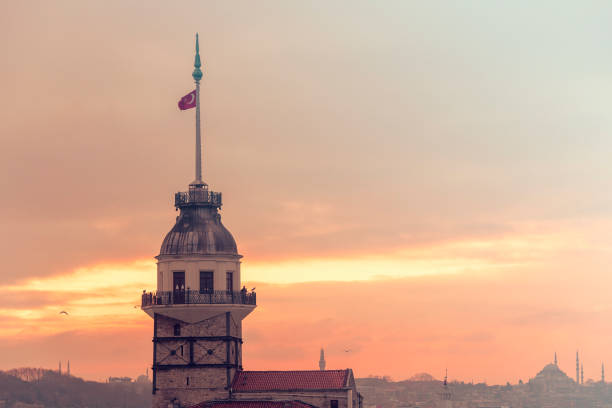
(51,390)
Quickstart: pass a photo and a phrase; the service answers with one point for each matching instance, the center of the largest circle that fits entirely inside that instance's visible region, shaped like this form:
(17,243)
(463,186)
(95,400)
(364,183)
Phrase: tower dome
(198,229)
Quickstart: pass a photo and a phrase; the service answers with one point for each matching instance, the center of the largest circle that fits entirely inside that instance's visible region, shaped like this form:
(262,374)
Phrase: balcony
(197,196)
(196,297)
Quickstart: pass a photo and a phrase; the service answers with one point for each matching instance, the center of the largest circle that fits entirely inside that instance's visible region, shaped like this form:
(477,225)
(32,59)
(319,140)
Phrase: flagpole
(197,75)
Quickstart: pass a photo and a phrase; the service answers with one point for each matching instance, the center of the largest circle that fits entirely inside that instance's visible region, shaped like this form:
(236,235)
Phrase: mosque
(552,379)
(198,309)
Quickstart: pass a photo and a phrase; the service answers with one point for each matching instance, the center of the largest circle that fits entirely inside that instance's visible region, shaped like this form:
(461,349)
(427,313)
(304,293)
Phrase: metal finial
(197,72)
(197,75)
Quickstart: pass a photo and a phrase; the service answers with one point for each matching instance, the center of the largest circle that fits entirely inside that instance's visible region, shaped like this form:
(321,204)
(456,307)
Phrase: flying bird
(253,290)
(347,350)
(64,312)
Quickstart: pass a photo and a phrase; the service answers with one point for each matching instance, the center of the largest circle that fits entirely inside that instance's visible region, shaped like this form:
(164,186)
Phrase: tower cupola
(198,229)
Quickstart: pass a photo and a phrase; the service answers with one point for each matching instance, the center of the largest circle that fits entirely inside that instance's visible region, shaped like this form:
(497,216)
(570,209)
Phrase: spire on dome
(197,75)
(603,376)
(556,359)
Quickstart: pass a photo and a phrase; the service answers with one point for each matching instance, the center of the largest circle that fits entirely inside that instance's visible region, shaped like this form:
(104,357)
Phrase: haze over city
(414,186)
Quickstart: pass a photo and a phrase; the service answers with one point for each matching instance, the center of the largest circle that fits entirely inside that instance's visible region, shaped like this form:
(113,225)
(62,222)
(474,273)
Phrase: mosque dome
(552,372)
(198,231)
(551,378)
(551,368)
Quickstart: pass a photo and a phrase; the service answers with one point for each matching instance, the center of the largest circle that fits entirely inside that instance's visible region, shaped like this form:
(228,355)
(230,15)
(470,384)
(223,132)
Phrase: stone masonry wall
(190,385)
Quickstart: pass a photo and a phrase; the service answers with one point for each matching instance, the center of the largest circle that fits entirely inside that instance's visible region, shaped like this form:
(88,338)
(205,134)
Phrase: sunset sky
(426,184)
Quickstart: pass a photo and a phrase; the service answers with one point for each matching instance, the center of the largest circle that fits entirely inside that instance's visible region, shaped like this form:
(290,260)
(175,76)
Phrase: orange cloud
(487,310)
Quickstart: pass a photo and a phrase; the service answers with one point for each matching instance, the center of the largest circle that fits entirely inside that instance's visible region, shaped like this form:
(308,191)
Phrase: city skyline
(423,185)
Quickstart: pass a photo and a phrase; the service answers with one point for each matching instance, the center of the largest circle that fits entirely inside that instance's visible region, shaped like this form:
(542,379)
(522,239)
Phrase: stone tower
(322,360)
(446,394)
(198,307)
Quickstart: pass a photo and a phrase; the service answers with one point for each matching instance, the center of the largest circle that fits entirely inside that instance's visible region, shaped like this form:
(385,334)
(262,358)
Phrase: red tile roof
(245,381)
(253,404)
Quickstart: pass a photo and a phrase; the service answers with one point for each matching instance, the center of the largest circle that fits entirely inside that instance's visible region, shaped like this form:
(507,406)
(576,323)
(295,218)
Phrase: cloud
(474,323)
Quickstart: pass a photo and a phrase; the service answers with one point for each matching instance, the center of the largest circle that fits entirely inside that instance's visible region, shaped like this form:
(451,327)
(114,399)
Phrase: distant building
(446,394)
(119,380)
(143,379)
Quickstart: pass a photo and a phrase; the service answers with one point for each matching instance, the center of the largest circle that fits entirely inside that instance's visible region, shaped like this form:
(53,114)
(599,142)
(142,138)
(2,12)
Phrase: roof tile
(245,381)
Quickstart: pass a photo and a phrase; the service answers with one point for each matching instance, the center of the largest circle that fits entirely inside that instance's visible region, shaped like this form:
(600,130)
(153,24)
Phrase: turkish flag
(188,101)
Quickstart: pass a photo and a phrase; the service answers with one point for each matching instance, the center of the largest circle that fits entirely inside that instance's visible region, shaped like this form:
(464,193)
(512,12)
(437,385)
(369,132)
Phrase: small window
(181,351)
(206,281)
(187,381)
(333,404)
(229,277)
(177,329)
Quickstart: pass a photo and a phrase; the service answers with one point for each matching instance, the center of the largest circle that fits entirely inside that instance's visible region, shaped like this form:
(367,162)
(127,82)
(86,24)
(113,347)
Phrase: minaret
(68,369)
(446,395)
(577,369)
(197,310)
(60,368)
(322,360)
(556,359)
(582,374)
(603,375)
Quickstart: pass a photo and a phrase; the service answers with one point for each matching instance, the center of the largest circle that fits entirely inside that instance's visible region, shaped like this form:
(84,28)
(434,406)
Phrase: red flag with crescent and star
(188,101)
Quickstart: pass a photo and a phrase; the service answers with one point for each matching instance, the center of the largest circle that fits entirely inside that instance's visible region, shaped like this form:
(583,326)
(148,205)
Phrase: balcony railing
(197,196)
(197,297)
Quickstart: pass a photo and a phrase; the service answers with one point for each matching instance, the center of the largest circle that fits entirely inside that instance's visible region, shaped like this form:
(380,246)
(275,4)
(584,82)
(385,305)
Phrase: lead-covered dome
(198,231)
